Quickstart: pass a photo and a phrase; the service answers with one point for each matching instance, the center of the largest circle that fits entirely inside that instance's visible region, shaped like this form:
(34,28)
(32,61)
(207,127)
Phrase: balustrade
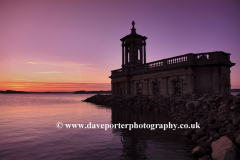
(177,61)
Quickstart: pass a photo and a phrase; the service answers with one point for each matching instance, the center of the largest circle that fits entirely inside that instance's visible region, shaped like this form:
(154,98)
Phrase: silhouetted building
(186,74)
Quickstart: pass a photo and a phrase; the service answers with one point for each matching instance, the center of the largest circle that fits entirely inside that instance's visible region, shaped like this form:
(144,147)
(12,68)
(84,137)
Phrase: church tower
(133,49)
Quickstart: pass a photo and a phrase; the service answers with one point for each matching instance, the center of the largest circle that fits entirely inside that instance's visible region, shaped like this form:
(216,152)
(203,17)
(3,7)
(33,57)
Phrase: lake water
(28,131)
(235,93)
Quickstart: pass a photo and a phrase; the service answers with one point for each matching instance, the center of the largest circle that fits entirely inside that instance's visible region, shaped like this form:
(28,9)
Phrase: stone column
(144,87)
(150,85)
(190,84)
(193,84)
(147,87)
(122,53)
(126,54)
(215,80)
(165,85)
(131,51)
(123,88)
(112,88)
(128,86)
(229,82)
(141,54)
(144,51)
(115,88)
(132,87)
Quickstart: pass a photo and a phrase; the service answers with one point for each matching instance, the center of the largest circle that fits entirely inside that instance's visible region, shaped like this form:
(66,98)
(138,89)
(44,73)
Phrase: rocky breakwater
(219,117)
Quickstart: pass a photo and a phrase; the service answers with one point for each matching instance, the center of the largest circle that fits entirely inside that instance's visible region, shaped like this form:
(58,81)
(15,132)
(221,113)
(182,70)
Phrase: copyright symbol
(59,125)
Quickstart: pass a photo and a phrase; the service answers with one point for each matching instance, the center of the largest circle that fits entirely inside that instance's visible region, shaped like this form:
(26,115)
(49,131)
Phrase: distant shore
(91,92)
(76,92)
(235,90)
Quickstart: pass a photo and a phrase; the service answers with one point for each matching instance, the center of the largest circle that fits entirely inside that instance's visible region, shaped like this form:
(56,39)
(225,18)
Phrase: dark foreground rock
(224,149)
(218,116)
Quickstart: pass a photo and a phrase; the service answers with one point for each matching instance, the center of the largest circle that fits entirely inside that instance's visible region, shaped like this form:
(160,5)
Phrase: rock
(199,151)
(201,129)
(236,134)
(205,107)
(212,132)
(222,113)
(196,136)
(192,105)
(237,141)
(222,130)
(208,142)
(190,120)
(233,107)
(200,110)
(224,149)
(237,100)
(222,107)
(201,99)
(185,115)
(202,140)
(209,120)
(203,122)
(216,135)
(217,99)
(226,122)
(236,120)
(232,114)
(223,118)
(189,132)
(215,126)
(198,115)
(206,157)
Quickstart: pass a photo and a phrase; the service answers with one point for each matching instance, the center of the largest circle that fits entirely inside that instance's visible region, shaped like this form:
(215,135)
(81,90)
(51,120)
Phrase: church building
(185,74)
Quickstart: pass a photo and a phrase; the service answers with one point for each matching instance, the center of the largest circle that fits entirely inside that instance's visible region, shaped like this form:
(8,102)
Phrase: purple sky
(78,41)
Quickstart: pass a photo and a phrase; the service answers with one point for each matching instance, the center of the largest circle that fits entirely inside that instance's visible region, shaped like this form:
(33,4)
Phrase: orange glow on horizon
(52,86)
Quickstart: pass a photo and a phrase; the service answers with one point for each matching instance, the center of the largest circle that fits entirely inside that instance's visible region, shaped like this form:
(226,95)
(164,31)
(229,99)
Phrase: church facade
(185,74)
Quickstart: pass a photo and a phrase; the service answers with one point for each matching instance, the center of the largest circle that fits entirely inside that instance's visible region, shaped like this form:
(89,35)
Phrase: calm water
(235,93)
(28,131)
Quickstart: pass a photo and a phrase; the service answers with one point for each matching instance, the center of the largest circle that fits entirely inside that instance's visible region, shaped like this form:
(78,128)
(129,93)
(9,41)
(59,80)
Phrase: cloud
(49,72)
(23,80)
(65,64)
(31,62)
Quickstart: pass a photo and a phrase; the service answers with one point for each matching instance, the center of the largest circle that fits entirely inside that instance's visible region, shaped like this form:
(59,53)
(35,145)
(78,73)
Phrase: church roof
(133,34)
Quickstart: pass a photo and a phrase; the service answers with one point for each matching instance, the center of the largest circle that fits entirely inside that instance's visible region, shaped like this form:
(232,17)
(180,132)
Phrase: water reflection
(28,131)
(146,143)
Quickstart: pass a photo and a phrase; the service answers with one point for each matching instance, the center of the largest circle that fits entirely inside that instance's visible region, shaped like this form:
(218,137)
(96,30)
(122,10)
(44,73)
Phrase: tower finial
(133,23)
(133,29)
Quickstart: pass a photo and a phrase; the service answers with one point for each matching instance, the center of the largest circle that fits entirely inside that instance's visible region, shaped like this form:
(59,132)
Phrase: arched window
(155,88)
(177,88)
(139,88)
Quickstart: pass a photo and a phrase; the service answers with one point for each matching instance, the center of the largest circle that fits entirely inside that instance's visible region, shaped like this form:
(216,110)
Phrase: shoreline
(218,116)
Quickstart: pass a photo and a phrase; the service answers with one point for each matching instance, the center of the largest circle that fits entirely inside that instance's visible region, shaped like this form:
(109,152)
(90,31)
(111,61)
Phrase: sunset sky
(70,45)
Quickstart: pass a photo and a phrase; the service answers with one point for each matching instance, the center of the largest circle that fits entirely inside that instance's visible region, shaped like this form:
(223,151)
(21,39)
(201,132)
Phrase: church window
(155,88)
(139,88)
(177,88)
